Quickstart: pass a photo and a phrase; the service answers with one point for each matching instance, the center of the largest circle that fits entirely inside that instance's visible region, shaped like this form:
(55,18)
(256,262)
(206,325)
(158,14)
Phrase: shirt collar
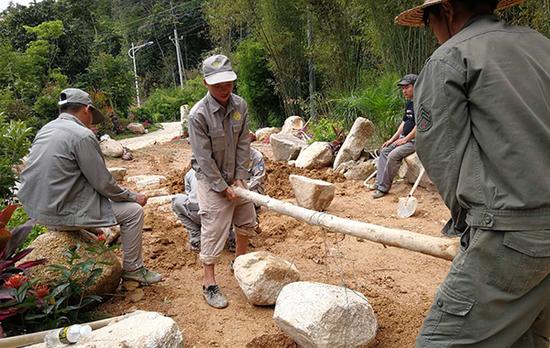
(67,116)
(215,106)
(474,19)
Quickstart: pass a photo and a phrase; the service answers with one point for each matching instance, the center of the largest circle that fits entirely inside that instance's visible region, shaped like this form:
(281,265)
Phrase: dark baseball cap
(217,69)
(78,96)
(408,79)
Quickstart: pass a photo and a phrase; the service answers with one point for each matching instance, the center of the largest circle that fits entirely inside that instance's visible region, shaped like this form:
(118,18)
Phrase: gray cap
(408,79)
(78,96)
(217,69)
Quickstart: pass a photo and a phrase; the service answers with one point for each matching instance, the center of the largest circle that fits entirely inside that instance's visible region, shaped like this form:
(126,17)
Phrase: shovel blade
(406,207)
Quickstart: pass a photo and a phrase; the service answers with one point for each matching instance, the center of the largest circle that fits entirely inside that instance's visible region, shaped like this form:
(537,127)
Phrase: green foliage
(325,129)
(19,217)
(164,104)
(14,144)
(47,30)
(256,85)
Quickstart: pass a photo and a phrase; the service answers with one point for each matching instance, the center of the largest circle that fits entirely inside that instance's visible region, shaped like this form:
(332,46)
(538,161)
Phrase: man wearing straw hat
(483,134)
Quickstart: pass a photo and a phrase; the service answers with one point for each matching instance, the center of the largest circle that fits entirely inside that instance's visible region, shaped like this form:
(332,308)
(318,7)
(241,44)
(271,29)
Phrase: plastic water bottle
(67,335)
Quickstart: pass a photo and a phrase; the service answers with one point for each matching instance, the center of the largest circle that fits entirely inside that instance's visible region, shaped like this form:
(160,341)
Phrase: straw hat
(413,17)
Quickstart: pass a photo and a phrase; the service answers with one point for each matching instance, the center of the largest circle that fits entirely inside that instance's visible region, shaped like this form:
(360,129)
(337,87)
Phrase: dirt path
(399,284)
(168,132)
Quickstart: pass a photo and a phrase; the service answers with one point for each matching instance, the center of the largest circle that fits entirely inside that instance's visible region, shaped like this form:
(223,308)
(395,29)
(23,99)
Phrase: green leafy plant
(325,129)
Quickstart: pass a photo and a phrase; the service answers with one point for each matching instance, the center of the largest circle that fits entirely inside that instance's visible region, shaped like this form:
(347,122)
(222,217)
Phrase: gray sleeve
(202,150)
(443,127)
(243,148)
(257,175)
(91,163)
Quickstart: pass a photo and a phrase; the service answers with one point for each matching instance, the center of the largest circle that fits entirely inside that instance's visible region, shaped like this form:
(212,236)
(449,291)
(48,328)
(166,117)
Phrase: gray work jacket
(220,141)
(483,125)
(65,181)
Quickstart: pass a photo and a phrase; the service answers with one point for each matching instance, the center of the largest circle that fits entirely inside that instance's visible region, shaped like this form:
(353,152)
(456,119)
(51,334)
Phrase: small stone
(130,285)
(136,295)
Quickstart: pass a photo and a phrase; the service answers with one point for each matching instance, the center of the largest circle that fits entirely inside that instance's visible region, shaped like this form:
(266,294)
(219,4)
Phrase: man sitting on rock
(186,206)
(399,146)
(66,185)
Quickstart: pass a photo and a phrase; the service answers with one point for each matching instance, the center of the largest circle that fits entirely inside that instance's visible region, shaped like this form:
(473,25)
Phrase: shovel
(407,205)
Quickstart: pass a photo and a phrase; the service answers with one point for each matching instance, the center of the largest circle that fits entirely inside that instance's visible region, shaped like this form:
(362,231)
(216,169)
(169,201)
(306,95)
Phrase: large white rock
(263,133)
(360,170)
(355,142)
(111,148)
(139,329)
(319,315)
(136,128)
(147,181)
(311,193)
(262,276)
(286,147)
(292,124)
(118,173)
(184,117)
(413,169)
(317,155)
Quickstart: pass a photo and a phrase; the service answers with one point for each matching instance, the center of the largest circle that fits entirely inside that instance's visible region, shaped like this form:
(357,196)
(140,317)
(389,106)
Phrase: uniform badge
(216,64)
(236,116)
(424,119)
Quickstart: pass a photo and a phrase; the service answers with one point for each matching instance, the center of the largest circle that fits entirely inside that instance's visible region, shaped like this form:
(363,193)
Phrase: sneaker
(194,246)
(378,194)
(372,187)
(143,276)
(214,296)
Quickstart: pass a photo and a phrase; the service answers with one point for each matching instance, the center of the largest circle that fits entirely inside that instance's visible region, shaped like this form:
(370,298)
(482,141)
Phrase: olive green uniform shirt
(482,106)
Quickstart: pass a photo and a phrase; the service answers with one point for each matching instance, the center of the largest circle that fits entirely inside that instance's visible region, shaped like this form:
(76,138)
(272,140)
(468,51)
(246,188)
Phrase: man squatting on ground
(186,206)
(399,146)
(483,122)
(66,185)
(220,141)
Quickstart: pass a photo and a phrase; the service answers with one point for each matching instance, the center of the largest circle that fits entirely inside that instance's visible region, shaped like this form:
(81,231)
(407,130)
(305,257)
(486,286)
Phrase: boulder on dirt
(52,246)
(138,329)
(147,181)
(111,148)
(317,155)
(413,169)
(333,317)
(184,117)
(136,128)
(157,192)
(264,133)
(118,173)
(262,275)
(286,147)
(292,125)
(359,170)
(355,142)
(311,193)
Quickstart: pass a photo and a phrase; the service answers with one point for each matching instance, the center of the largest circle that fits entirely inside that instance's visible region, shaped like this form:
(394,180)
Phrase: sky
(4,3)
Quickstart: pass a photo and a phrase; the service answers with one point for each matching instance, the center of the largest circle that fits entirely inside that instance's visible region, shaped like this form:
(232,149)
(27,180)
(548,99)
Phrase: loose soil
(399,284)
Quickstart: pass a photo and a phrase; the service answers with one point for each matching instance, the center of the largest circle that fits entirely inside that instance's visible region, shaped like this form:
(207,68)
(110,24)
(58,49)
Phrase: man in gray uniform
(399,146)
(220,140)
(483,134)
(186,206)
(66,186)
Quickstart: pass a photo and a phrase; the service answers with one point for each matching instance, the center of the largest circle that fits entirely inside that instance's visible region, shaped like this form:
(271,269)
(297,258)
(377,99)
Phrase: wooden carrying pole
(443,248)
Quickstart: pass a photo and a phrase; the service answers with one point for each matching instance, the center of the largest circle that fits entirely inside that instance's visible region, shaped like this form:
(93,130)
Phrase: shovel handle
(417,181)
(370,177)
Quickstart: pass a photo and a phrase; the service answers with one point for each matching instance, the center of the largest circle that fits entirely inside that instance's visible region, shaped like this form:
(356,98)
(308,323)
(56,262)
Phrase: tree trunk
(443,248)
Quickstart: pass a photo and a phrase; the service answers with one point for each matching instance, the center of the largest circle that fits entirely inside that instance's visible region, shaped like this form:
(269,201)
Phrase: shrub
(325,129)
(14,144)
(164,104)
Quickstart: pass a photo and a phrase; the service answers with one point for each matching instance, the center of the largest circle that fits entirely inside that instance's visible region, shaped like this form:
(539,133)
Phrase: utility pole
(181,68)
(132,54)
(311,67)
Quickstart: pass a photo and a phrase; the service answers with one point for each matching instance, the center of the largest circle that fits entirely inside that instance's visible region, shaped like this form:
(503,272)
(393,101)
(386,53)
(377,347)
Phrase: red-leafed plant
(17,292)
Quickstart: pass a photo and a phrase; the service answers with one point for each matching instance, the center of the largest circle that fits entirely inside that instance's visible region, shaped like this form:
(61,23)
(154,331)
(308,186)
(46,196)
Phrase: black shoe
(214,296)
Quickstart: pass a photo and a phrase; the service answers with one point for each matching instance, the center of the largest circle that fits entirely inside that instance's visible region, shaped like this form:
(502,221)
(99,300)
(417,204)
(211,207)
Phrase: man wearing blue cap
(66,185)
(220,140)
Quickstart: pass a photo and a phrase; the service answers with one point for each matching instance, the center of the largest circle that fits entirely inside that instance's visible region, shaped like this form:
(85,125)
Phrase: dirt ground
(399,284)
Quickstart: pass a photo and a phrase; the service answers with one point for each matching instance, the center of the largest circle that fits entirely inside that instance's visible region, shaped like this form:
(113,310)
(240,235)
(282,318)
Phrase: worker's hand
(386,144)
(141,199)
(230,194)
(400,142)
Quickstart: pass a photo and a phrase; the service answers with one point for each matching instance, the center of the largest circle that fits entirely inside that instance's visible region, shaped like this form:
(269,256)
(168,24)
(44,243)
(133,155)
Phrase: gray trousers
(389,162)
(189,218)
(497,294)
(130,217)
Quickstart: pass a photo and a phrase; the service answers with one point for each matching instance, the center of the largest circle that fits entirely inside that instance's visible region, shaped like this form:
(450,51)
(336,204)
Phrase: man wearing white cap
(66,186)
(483,134)
(220,140)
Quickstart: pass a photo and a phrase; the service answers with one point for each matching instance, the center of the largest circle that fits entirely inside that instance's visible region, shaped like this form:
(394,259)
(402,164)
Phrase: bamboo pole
(443,248)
